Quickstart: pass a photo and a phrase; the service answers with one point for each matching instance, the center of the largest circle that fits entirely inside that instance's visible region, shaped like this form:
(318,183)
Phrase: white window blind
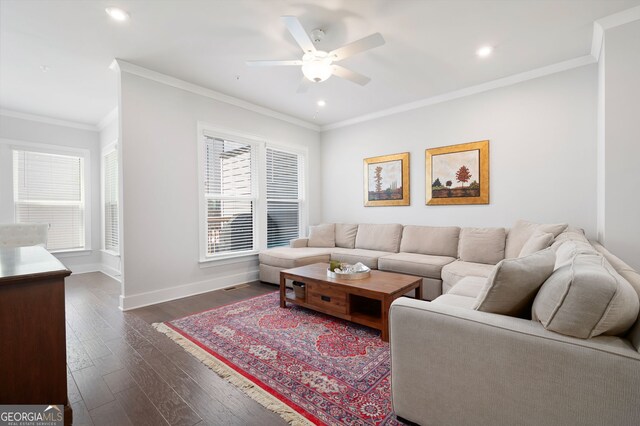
(110,190)
(284,196)
(229,196)
(49,188)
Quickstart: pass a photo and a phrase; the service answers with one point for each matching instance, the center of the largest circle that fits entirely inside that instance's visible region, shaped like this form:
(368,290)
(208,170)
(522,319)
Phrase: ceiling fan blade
(297,31)
(305,83)
(352,76)
(369,42)
(273,63)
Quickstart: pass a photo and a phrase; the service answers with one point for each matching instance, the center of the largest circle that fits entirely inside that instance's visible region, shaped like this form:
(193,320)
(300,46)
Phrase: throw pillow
(322,235)
(586,298)
(540,240)
(482,245)
(522,231)
(513,284)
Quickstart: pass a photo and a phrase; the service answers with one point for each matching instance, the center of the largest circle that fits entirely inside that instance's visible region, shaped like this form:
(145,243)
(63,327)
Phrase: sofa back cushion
(513,284)
(379,237)
(540,240)
(346,235)
(566,251)
(586,298)
(436,241)
(523,230)
(482,245)
(322,235)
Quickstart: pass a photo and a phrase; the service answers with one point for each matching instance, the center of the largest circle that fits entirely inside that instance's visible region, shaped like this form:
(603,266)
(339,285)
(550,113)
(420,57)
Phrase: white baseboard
(85,268)
(112,272)
(166,294)
(96,267)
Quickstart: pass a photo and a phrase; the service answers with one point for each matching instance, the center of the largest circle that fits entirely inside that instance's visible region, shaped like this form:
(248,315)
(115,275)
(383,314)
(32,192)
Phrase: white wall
(160,187)
(622,142)
(18,130)
(542,136)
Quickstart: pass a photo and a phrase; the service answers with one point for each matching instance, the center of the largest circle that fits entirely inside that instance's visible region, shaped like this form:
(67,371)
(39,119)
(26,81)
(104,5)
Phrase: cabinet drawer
(326,297)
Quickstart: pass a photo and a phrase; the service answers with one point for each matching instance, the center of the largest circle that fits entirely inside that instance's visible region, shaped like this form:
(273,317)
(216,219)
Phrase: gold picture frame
(466,163)
(386,180)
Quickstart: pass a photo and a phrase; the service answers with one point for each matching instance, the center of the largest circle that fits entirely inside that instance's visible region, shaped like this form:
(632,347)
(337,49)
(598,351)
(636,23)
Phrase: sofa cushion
(586,298)
(433,240)
(455,271)
(540,240)
(455,300)
(633,278)
(351,256)
(566,251)
(570,234)
(422,265)
(346,235)
(513,284)
(522,230)
(379,237)
(469,286)
(287,257)
(482,245)
(322,235)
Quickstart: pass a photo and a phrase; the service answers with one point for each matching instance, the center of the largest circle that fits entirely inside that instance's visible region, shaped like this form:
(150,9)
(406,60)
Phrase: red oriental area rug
(306,366)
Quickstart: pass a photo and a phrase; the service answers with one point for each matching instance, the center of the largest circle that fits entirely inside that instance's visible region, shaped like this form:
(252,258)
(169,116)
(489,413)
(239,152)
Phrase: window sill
(72,253)
(110,252)
(228,259)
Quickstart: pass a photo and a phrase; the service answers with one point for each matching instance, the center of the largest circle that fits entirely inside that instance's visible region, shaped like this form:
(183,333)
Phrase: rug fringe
(253,391)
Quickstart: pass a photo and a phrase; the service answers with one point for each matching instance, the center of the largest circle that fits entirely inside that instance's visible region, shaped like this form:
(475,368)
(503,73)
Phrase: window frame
(259,183)
(106,150)
(85,154)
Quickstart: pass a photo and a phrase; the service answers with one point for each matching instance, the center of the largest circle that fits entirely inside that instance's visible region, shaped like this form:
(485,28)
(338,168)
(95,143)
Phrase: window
(284,196)
(110,200)
(230,196)
(49,188)
(252,195)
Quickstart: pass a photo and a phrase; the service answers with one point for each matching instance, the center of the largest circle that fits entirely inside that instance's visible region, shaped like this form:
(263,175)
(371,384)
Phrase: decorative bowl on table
(344,271)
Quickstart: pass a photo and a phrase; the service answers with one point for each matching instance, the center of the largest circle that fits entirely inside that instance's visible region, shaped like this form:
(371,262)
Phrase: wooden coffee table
(364,301)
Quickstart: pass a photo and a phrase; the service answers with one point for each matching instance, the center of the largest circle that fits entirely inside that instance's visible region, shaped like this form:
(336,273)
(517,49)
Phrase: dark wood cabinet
(33,360)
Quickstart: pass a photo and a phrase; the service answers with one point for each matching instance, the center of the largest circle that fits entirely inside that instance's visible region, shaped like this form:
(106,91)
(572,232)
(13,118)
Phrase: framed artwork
(458,174)
(386,180)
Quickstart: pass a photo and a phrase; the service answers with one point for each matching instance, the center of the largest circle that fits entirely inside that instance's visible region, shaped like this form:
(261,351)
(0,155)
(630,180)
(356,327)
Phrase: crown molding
(608,22)
(472,90)
(130,68)
(620,18)
(48,120)
(108,119)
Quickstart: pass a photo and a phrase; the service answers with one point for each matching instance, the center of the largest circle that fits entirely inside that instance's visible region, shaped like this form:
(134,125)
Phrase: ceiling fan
(318,65)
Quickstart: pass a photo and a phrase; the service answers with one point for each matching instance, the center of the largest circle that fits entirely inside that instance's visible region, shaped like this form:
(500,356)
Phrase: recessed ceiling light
(44,68)
(117,14)
(321,103)
(484,51)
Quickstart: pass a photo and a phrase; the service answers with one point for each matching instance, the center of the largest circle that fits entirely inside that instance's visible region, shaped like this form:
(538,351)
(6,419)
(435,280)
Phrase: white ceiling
(429,51)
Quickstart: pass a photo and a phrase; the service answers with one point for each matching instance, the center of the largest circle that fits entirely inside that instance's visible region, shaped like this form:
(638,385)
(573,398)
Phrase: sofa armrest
(458,366)
(299,242)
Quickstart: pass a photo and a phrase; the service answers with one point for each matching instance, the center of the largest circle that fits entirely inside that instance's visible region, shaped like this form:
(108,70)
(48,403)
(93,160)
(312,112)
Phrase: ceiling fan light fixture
(316,66)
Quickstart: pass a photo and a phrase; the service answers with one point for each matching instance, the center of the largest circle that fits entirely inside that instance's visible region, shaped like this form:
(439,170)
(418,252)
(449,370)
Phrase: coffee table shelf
(364,301)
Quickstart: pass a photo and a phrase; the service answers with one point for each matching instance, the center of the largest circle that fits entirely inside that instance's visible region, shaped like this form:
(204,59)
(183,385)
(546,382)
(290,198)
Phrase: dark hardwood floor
(121,371)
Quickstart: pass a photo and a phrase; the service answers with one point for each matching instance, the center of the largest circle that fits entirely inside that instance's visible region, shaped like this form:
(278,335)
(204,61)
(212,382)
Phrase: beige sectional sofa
(570,353)
(440,255)
(571,358)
